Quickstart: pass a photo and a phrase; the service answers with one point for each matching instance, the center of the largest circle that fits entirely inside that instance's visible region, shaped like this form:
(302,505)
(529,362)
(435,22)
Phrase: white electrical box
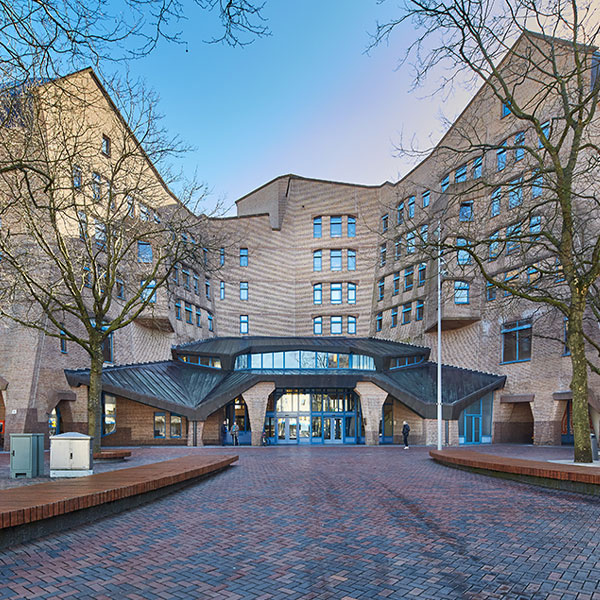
(71,455)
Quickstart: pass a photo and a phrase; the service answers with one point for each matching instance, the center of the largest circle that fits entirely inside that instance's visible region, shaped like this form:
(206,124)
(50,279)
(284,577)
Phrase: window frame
(521,325)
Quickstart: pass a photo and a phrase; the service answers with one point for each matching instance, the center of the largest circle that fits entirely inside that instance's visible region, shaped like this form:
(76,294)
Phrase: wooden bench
(112,454)
(26,505)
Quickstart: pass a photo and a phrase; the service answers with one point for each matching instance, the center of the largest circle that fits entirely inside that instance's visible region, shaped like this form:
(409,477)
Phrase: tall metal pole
(439,340)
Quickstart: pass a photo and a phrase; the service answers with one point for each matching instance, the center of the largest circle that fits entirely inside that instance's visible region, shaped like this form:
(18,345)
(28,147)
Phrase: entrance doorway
(332,430)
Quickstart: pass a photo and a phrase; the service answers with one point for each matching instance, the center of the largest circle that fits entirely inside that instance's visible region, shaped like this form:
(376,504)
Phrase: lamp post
(439,339)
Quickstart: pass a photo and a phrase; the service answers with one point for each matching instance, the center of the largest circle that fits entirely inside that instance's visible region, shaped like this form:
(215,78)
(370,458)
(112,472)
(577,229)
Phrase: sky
(306,100)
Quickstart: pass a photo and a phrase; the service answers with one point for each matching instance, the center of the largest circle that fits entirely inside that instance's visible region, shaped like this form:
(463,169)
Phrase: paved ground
(326,523)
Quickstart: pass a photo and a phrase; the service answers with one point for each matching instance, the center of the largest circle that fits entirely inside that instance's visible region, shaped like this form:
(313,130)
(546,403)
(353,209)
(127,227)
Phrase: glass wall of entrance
(314,416)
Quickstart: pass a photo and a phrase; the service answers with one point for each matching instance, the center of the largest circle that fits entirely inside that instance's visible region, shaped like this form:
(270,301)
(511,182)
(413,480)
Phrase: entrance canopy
(204,376)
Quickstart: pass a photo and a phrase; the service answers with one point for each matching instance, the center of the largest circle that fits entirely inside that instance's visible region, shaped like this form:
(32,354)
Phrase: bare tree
(539,62)
(90,234)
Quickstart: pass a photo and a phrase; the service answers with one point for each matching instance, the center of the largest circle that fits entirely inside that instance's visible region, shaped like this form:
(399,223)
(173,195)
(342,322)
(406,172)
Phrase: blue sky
(305,100)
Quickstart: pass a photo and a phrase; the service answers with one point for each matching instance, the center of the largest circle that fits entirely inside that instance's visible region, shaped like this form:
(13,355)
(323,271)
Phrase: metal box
(26,455)
(71,455)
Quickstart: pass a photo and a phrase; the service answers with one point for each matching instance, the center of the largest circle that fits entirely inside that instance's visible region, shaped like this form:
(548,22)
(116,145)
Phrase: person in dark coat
(223,433)
(405,432)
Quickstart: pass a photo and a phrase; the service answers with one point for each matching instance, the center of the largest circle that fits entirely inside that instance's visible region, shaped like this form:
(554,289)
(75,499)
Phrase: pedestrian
(224,430)
(405,432)
(235,430)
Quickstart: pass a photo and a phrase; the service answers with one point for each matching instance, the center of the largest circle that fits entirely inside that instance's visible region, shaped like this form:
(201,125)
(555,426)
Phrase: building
(338,271)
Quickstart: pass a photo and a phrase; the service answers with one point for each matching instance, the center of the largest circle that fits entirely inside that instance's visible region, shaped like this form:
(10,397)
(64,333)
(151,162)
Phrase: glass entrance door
(287,430)
(332,430)
(473,429)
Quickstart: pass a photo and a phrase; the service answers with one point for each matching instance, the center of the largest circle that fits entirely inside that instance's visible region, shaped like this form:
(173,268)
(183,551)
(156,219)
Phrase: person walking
(235,430)
(223,433)
(405,432)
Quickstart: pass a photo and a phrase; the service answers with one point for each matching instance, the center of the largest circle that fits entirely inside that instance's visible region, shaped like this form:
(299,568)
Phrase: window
(501,157)
(176,274)
(318,325)
(100,234)
(149,292)
(351,260)
(536,186)
(317,227)
(381,288)
(566,351)
(120,288)
(516,341)
(109,414)
(107,348)
(490,292)
(394,322)
(406,308)
(462,256)
(188,313)
(460,175)
(83,225)
(411,207)
(420,310)
(505,111)
(515,193)
(400,213)
(96,186)
(533,274)
(185,275)
(222,256)
(445,182)
(461,292)
(197,285)
(144,212)
(398,248)
(384,223)
(510,279)
(198,317)
(351,293)
(477,164)
(317,260)
(176,426)
(535,226)
(77,179)
(382,254)
(425,197)
(160,425)
(408,278)
(336,293)
(243,257)
(207,288)
(494,246)
(422,274)
(513,243)
(130,207)
(495,202)
(144,252)
(545,133)
(317,293)
(351,226)
(379,322)
(244,326)
(335,260)
(465,212)
(105,145)
(335,227)
(410,242)
(243,290)
(352,325)
(336,325)
(87,277)
(211,325)
(519,145)
(178,310)
(558,269)
(63,342)
(396,286)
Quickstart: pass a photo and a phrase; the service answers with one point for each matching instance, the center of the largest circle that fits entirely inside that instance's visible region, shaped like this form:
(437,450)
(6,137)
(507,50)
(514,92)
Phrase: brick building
(307,262)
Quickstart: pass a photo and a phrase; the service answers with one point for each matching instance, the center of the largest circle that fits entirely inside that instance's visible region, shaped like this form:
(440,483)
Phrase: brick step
(112,454)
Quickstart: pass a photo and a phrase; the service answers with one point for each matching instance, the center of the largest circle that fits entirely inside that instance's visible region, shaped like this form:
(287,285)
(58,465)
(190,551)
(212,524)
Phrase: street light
(439,339)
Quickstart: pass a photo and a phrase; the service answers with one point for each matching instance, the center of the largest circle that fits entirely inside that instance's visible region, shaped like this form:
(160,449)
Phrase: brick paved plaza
(322,522)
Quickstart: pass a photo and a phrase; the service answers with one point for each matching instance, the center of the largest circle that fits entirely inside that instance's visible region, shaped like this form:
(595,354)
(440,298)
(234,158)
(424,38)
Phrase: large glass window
(462,256)
(351,226)
(317,227)
(335,226)
(160,425)
(335,257)
(465,212)
(336,293)
(516,341)
(176,426)
(336,325)
(109,417)
(351,260)
(317,293)
(317,260)
(461,292)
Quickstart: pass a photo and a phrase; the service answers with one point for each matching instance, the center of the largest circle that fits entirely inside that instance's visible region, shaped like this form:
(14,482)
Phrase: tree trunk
(95,400)
(579,388)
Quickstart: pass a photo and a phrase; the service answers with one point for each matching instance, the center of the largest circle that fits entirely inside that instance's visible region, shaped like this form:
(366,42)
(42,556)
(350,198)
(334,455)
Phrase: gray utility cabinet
(71,455)
(26,455)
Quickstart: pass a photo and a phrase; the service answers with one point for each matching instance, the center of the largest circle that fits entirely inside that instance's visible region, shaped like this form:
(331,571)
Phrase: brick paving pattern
(326,523)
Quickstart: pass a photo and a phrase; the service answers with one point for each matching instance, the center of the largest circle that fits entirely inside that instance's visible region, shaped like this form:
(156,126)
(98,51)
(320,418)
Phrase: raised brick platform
(44,502)
(112,454)
(548,474)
